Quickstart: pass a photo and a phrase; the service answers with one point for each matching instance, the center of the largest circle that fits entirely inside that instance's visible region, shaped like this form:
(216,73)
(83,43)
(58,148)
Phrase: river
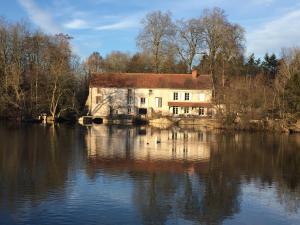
(71,174)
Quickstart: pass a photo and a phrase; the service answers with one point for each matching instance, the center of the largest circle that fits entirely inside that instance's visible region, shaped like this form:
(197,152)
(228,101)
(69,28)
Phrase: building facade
(150,94)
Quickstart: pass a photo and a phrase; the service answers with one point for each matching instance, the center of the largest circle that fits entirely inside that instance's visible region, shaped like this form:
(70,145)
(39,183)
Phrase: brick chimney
(195,73)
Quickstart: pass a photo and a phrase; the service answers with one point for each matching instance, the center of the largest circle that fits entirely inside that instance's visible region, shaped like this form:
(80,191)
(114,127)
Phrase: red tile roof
(151,80)
(190,104)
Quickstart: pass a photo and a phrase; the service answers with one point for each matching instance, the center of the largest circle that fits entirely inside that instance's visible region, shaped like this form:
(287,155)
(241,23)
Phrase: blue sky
(106,25)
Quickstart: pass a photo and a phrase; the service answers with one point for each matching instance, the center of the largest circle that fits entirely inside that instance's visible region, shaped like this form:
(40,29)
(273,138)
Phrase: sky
(107,25)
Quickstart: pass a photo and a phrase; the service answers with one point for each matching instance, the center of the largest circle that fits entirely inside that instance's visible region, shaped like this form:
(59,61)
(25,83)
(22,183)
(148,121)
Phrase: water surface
(130,175)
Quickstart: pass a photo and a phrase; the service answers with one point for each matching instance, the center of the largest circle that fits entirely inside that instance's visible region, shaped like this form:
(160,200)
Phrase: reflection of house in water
(147,147)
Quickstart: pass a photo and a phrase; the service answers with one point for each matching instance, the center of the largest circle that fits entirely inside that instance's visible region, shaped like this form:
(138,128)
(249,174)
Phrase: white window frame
(129,99)
(143,100)
(175,110)
(187,96)
(175,96)
(158,102)
(186,110)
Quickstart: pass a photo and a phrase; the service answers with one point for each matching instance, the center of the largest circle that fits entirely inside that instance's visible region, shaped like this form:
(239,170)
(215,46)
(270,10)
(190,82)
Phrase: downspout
(91,101)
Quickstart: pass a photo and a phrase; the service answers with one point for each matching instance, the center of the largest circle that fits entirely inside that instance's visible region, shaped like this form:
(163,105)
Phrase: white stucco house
(150,94)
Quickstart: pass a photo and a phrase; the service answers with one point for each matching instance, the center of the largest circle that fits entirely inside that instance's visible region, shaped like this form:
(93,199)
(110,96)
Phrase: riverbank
(266,125)
(237,125)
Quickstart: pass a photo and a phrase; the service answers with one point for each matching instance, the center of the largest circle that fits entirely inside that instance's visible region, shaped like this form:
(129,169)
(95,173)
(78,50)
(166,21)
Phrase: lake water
(128,175)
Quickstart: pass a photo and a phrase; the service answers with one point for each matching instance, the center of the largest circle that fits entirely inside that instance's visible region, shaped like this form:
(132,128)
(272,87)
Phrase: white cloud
(76,24)
(129,23)
(273,35)
(40,17)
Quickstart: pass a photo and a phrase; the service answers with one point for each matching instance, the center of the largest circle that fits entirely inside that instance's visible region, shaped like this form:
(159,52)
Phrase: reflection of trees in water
(153,195)
(209,194)
(34,161)
(212,196)
(202,199)
(264,159)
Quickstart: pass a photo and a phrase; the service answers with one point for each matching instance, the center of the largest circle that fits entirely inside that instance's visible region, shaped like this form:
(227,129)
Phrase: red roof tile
(151,80)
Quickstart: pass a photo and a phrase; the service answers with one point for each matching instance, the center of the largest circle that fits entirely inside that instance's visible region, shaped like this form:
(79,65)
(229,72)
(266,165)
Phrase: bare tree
(37,72)
(94,63)
(61,81)
(188,40)
(223,41)
(155,37)
(116,61)
(285,95)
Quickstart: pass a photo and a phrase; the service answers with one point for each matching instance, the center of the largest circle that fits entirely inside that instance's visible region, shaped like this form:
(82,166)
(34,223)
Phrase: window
(129,96)
(158,102)
(98,99)
(142,111)
(201,97)
(175,96)
(143,101)
(186,96)
(98,90)
(175,110)
(129,100)
(186,110)
(201,111)
(129,110)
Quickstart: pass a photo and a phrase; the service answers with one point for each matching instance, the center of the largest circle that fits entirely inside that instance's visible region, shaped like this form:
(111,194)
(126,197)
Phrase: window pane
(175,96)
(186,110)
(158,102)
(175,110)
(98,99)
(129,100)
(186,96)
(201,111)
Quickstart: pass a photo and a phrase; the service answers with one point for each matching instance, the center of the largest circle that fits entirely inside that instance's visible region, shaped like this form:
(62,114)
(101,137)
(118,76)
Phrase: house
(150,94)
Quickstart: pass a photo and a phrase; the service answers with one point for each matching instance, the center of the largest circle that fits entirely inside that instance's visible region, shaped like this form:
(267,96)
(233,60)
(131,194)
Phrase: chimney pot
(194,73)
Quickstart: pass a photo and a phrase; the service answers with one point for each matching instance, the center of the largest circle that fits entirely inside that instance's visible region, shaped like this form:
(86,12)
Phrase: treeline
(246,85)
(38,74)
